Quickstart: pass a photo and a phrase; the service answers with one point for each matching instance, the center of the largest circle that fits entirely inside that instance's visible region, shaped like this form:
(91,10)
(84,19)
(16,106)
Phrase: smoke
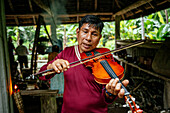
(53,9)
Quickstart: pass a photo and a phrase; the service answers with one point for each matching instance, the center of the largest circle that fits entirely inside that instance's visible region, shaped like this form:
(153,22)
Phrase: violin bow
(76,63)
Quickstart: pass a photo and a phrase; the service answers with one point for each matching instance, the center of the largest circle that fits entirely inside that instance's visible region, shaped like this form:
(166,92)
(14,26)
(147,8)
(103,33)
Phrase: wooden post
(47,32)
(6,104)
(48,104)
(65,38)
(47,98)
(117,29)
(34,51)
(166,15)
(143,29)
(54,33)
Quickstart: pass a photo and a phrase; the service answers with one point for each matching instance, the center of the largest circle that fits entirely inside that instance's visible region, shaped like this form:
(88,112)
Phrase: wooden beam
(16,20)
(60,15)
(78,5)
(53,7)
(123,17)
(139,11)
(30,4)
(84,14)
(95,5)
(160,3)
(151,5)
(43,6)
(132,6)
(34,20)
(117,3)
(78,19)
(12,8)
(10,5)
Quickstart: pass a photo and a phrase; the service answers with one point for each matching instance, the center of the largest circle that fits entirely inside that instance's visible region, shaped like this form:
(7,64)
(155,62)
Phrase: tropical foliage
(156,28)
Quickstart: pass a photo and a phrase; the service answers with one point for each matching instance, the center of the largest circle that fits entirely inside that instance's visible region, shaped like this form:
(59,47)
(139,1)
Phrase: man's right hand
(59,65)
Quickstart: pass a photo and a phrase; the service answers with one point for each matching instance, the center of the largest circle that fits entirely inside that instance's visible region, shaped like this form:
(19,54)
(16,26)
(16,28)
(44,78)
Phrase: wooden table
(47,98)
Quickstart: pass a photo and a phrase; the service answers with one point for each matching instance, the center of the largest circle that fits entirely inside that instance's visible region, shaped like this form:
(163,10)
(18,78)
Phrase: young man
(82,94)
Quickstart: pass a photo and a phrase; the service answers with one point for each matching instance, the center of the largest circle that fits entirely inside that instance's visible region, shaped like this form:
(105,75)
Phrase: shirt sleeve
(108,101)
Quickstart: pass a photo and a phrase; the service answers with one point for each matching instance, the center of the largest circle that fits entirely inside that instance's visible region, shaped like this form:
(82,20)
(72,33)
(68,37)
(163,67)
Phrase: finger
(121,93)
(55,68)
(68,64)
(64,66)
(114,83)
(59,66)
(117,88)
(125,82)
(108,86)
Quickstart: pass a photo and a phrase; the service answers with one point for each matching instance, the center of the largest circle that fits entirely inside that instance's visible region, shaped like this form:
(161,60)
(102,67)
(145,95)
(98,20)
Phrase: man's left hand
(114,87)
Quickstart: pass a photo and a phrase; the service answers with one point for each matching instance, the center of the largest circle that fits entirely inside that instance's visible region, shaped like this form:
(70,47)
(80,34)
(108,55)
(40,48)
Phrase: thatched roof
(25,12)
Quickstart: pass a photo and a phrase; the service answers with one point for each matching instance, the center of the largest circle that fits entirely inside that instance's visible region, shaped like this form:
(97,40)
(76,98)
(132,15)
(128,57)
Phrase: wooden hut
(26,12)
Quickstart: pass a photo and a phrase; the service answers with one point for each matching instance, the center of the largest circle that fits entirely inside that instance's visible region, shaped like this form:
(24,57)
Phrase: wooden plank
(39,92)
(132,6)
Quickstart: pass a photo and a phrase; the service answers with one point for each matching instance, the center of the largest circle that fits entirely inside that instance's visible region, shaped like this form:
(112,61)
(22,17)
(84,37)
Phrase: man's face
(88,37)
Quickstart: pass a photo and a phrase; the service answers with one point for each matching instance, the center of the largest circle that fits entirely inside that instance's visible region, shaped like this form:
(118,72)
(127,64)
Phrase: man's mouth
(86,46)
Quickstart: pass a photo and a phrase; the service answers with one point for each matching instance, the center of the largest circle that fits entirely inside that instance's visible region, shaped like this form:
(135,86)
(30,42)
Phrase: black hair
(21,41)
(92,19)
(9,38)
(55,48)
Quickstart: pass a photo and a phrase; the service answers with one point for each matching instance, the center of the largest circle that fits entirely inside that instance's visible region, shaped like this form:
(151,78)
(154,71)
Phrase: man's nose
(89,37)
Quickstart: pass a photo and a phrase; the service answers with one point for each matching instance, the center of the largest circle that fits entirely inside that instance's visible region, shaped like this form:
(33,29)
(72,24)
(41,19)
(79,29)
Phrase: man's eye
(85,31)
(95,34)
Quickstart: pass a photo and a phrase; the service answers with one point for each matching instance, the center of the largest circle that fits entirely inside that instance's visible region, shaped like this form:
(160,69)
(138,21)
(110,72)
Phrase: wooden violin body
(100,74)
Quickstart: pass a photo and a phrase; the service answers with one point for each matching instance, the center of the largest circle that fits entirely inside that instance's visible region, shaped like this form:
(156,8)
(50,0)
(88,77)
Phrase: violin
(101,59)
(99,65)
(104,69)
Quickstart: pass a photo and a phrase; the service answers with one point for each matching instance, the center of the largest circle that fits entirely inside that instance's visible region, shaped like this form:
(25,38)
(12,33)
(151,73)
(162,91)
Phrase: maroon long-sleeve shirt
(82,94)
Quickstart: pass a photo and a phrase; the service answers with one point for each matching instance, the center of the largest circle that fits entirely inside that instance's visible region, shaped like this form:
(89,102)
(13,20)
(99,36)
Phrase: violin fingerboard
(112,74)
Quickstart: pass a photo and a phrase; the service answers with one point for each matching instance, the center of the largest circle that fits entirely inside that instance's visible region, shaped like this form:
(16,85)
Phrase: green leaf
(161,19)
